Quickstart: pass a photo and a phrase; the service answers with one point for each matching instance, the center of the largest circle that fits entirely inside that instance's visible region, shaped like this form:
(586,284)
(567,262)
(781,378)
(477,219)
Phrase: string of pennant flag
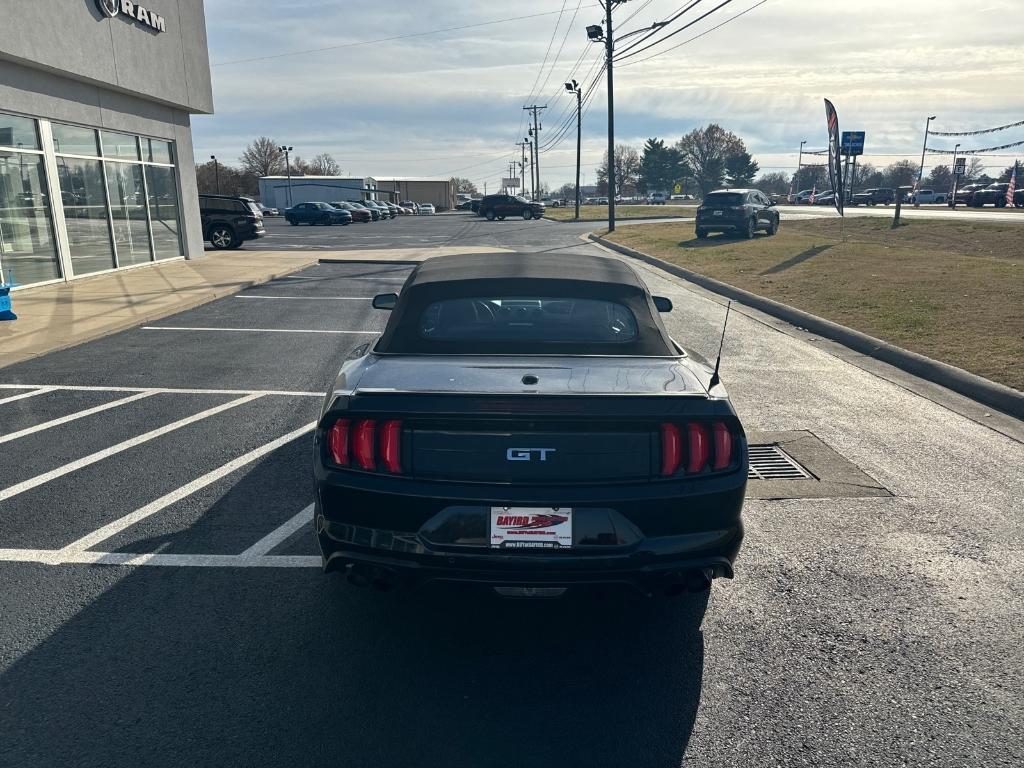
(977,133)
(973,151)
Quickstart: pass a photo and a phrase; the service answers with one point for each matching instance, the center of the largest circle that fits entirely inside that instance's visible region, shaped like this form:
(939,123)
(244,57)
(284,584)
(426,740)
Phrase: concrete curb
(990,393)
(622,219)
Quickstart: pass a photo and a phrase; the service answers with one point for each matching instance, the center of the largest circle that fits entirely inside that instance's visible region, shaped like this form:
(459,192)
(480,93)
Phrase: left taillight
(368,444)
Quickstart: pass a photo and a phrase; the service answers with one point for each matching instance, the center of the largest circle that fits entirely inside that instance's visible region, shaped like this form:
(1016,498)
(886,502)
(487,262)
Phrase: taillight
(391,445)
(671,449)
(337,442)
(363,443)
(366,444)
(698,447)
(723,445)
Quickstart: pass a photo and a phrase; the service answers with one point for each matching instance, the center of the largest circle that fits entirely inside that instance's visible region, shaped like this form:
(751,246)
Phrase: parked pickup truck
(926,196)
(993,194)
(874,197)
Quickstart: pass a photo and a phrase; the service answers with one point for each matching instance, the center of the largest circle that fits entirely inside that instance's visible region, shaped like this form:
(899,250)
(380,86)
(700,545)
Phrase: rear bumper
(412,541)
(717,224)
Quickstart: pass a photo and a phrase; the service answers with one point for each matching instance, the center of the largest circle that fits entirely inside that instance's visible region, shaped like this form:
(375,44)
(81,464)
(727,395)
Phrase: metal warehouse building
(96,169)
(274,190)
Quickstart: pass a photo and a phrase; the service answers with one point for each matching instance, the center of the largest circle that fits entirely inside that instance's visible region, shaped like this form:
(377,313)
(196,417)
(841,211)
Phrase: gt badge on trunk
(517,527)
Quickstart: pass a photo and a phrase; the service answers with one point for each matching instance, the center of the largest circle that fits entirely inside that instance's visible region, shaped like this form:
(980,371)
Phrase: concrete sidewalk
(62,315)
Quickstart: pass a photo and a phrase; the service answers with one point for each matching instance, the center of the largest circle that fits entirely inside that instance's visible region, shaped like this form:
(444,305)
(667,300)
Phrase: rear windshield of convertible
(547,320)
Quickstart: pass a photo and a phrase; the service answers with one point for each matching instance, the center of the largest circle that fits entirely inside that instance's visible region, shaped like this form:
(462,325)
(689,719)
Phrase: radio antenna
(714,377)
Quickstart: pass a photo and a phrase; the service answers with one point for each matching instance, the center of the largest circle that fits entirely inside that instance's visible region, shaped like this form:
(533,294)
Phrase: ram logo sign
(133,11)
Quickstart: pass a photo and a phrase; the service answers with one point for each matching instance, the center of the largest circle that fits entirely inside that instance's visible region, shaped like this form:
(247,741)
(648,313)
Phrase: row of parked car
(976,195)
(230,220)
(344,212)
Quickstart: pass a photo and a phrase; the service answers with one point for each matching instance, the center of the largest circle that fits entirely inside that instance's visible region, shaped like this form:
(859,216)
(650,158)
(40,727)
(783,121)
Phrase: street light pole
(800,160)
(920,173)
(574,87)
(956,178)
(216,172)
(288,170)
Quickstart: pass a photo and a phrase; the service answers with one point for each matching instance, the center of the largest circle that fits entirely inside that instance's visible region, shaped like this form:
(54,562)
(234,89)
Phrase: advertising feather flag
(835,166)
(1012,186)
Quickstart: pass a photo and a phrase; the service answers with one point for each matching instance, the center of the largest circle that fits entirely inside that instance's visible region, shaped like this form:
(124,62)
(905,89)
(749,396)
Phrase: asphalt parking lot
(162,602)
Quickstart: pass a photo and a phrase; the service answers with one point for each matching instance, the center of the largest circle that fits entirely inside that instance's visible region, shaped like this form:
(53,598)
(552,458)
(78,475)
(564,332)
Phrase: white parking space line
(77,415)
(275,537)
(75,548)
(310,298)
(52,556)
(169,390)
(255,330)
(25,395)
(35,482)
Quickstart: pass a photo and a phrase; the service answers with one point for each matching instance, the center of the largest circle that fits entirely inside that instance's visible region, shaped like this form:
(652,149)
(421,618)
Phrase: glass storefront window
(120,146)
(163,211)
(18,132)
(74,140)
(157,151)
(28,251)
(128,205)
(85,214)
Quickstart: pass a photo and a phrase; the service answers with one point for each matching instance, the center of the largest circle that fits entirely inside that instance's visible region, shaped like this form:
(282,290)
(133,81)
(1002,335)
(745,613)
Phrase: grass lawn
(600,212)
(951,290)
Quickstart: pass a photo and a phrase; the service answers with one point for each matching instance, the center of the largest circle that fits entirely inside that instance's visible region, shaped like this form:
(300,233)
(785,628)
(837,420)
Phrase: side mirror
(385,301)
(662,303)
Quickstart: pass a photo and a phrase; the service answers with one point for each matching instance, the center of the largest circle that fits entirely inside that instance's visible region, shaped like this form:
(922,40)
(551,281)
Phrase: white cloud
(451,103)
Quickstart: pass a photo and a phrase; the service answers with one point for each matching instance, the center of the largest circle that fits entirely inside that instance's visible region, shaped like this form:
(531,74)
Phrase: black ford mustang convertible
(526,423)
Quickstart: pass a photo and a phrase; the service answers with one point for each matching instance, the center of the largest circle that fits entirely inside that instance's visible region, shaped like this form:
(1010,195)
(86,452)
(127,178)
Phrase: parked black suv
(229,220)
(874,197)
(499,206)
(740,211)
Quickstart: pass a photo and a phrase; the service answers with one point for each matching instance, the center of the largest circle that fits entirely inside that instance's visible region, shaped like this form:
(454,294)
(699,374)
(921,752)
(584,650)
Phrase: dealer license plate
(531,527)
(716,213)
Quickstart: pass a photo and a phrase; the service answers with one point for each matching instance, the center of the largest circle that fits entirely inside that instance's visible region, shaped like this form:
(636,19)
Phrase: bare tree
(975,170)
(262,158)
(300,167)
(463,185)
(705,151)
(774,183)
(627,170)
(324,165)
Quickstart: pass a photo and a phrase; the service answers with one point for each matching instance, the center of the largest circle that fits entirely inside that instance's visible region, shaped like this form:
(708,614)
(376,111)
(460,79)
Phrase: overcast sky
(451,103)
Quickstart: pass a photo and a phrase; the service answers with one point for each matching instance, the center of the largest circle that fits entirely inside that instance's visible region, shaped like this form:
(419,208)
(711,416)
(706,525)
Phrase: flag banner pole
(835,165)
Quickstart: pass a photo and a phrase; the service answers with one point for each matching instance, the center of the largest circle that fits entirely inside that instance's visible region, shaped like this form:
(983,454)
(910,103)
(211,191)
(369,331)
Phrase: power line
(655,29)
(695,37)
(385,39)
(544,62)
(672,34)
(565,37)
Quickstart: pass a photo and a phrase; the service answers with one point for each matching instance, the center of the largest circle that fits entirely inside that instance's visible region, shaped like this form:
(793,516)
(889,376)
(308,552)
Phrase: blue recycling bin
(6,313)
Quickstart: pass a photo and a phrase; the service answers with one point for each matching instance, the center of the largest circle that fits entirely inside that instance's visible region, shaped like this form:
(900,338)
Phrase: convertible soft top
(551,275)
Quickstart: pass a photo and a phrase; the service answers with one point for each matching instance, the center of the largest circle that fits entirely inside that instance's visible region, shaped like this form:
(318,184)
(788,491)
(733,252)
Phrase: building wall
(274,190)
(74,39)
(440,193)
(43,94)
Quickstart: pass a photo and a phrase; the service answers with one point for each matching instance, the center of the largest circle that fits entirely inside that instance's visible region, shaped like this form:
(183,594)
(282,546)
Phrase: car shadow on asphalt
(279,666)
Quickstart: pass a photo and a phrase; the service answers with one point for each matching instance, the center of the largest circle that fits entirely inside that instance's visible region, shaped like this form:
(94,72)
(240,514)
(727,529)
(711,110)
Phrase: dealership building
(96,169)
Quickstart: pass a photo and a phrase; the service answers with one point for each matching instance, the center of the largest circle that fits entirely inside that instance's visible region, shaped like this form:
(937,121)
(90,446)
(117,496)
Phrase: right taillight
(722,439)
(696,447)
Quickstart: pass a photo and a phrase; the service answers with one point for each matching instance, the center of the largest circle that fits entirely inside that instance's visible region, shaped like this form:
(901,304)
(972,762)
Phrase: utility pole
(956,177)
(609,51)
(522,163)
(529,144)
(799,165)
(288,169)
(535,132)
(216,172)
(920,173)
(574,87)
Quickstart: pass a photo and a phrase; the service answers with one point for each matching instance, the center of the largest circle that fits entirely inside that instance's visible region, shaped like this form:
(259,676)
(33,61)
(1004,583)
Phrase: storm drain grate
(769,462)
